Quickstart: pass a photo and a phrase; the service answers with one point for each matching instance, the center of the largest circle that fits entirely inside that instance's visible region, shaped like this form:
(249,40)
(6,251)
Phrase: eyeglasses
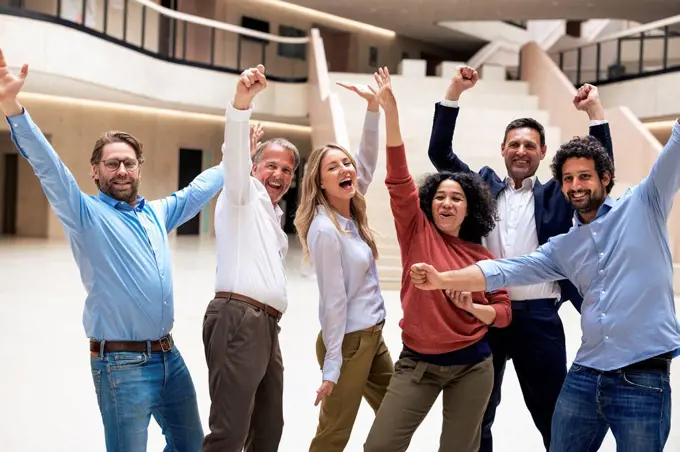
(113,164)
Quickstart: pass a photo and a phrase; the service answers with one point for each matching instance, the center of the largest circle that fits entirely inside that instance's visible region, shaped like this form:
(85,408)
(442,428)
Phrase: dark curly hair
(481,206)
(584,147)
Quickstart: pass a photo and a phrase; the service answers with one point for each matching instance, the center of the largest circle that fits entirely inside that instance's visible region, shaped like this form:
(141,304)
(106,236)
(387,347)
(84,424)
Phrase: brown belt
(375,328)
(235,296)
(164,344)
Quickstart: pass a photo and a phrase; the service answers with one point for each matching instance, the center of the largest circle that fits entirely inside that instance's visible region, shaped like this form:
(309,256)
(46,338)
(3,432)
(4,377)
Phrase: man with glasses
(120,243)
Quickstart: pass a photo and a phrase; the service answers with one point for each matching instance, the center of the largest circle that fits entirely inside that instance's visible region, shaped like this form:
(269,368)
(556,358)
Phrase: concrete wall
(74,125)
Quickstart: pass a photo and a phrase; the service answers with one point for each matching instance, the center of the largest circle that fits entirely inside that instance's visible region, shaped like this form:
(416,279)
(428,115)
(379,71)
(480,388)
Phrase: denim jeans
(133,386)
(635,405)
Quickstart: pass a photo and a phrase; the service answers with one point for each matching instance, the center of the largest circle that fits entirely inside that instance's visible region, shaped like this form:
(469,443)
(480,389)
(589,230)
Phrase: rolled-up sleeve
(526,270)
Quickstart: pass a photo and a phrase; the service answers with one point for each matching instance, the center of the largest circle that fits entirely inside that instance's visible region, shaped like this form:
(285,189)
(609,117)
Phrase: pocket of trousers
(97,380)
(127,360)
(644,380)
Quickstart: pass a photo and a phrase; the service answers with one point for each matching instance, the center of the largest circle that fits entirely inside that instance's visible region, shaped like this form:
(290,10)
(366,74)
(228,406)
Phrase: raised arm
(491,275)
(402,188)
(663,182)
(367,154)
(236,161)
(440,150)
(185,204)
(58,183)
(587,99)
(326,256)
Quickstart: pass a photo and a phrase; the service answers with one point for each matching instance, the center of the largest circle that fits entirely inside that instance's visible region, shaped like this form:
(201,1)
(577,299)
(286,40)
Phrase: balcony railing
(173,36)
(649,49)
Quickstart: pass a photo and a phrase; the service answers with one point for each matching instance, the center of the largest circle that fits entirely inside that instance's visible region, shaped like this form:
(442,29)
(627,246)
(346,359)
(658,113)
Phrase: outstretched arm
(367,154)
(663,182)
(186,203)
(236,161)
(440,150)
(58,183)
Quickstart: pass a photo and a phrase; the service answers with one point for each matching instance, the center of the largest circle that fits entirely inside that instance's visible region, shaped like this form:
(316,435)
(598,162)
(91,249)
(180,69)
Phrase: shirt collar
(529,182)
(604,208)
(116,203)
(279,212)
(341,220)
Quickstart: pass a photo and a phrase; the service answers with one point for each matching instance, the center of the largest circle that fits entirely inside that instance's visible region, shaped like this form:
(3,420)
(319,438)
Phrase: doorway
(9,193)
(336,44)
(190,166)
(167,30)
(431,63)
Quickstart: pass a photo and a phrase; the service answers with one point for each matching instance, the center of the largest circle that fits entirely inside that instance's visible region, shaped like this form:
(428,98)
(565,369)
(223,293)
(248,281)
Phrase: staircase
(485,112)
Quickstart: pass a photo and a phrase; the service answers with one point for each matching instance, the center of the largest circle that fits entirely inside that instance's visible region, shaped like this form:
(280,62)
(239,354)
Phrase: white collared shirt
(251,245)
(515,235)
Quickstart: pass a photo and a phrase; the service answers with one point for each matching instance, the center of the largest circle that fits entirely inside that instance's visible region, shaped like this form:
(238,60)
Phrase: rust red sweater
(432,324)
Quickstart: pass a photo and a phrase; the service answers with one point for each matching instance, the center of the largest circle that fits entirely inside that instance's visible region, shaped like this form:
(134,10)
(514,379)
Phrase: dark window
(295,51)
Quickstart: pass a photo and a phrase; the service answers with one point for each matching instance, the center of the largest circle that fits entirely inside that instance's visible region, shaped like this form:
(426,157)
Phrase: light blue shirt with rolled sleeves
(349,292)
(621,263)
(121,251)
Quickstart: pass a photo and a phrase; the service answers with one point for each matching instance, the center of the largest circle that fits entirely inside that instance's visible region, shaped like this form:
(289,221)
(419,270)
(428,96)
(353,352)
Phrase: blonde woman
(332,226)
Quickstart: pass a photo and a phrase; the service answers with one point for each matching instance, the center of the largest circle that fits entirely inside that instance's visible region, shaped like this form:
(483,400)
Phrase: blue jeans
(133,386)
(635,405)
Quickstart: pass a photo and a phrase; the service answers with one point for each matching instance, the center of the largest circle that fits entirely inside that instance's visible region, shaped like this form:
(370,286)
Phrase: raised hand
(365,92)
(256,133)
(425,277)
(462,300)
(464,79)
(250,83)
(385,94)
(10,85)
(587,99)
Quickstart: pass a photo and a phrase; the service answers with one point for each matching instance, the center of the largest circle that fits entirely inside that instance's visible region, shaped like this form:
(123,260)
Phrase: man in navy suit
(529,214)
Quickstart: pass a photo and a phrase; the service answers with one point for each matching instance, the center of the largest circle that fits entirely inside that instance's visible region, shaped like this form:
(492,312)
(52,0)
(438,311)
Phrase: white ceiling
(417,18)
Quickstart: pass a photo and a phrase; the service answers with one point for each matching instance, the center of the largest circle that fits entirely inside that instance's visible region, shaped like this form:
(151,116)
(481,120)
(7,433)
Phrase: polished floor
(47,402)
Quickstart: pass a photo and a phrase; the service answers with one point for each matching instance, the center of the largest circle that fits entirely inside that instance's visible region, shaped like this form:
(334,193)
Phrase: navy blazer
(553,212)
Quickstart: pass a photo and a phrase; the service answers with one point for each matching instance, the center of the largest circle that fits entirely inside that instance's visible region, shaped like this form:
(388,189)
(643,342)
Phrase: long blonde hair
(313,196)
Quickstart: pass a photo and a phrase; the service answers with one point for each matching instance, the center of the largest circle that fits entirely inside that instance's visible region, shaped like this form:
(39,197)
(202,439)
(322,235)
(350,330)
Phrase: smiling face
(275,170)
(338,176)
(449,207)
(522,152)
(118,173)
(582,187)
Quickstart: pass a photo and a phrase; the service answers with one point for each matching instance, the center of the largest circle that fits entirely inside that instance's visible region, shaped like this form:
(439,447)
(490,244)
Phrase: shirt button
(601,254)
(606,337)
(604,314)
(603,292)
(601,271)
(166,303)
(594,233)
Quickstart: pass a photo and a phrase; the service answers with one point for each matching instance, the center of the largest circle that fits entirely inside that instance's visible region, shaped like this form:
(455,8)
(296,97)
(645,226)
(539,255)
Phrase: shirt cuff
(492,274)
(20,121)
(372,121)
(449,103)
(331,372)
(239,115)
(597,122)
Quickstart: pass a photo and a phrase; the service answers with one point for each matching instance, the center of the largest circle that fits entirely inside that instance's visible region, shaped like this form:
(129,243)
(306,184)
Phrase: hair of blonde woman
(313,195)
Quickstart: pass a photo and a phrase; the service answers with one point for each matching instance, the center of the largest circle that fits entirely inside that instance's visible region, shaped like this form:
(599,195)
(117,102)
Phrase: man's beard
(126,194)
(589,202)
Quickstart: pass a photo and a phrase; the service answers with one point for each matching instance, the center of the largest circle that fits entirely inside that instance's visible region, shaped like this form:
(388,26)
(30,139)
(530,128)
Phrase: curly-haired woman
(443,334)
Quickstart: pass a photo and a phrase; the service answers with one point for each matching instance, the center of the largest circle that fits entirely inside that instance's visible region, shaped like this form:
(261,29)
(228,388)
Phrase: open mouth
(522,163)
(121,184)
(446,215)
(275,185)
(346,184)
(579,195)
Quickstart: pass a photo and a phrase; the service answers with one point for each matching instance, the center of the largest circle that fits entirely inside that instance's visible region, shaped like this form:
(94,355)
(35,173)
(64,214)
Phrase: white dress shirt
(515,235)
(251,244)
(349,291)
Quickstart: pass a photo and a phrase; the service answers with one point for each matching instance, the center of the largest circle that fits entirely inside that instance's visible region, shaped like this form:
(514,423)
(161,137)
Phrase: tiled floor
(47,402)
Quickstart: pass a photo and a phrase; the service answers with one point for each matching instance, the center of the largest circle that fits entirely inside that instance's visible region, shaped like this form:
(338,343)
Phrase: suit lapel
(538,211)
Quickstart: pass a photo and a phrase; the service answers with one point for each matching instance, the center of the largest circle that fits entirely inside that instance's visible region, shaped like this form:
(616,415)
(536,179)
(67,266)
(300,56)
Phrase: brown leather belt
(164,344)
(375,328)
(263,307)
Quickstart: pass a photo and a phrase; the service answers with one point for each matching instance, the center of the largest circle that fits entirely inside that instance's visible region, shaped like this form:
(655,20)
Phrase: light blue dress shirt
(122,252)
(621,263)
(349,292)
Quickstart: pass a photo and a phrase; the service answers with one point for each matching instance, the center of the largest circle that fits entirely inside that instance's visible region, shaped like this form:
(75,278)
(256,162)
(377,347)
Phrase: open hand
(10,85)
(462,300)
(250,83)
(385,95)
(465,78)
(426,277)
(365,92)
(256,133)
(326,389)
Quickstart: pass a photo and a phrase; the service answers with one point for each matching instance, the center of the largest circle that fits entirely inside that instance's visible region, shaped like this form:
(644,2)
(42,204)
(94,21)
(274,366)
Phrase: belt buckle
(167,340)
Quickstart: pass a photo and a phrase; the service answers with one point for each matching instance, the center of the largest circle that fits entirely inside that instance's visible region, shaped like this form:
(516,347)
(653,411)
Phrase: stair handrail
(221,25)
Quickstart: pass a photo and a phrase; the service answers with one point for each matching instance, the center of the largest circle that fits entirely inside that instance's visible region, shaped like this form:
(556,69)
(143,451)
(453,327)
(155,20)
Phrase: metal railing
(646,50)
(174,36)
